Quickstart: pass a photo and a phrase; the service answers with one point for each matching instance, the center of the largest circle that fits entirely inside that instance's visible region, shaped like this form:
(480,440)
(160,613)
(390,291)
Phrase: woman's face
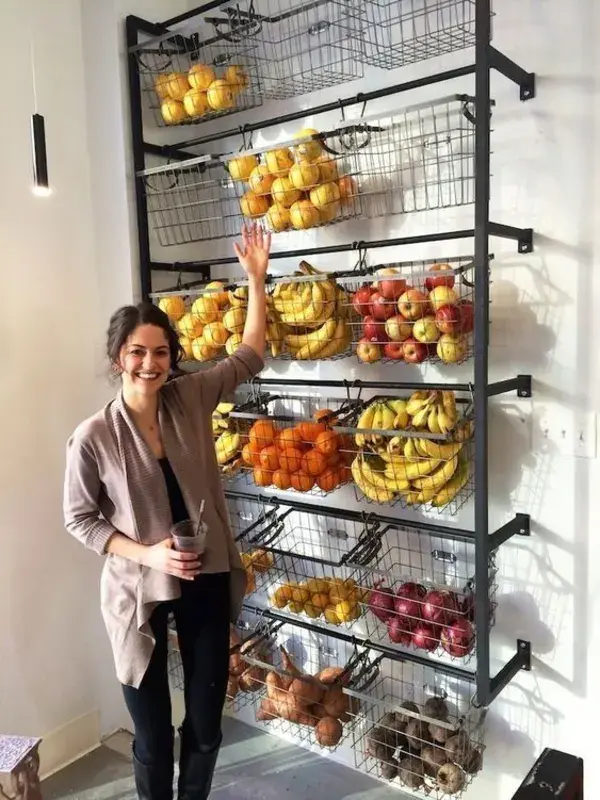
(145,360)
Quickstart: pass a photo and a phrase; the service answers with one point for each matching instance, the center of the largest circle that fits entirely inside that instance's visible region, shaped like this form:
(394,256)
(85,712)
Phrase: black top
(178,510)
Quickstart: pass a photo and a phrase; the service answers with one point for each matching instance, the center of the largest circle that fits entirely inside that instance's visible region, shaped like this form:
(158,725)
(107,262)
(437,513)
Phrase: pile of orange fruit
(302,457)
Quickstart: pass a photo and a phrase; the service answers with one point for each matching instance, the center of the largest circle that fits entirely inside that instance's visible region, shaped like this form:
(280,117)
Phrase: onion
(381,603)
(398,630)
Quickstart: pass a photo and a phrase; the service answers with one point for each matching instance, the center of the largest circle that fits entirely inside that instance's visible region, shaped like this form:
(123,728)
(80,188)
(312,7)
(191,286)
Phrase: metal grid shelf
(237,56)
(326,569)
(395,449)
(413,159)
(411,311)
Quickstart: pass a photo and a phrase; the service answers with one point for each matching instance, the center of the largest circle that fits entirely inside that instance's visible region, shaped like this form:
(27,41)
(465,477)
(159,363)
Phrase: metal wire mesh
(416,311)
(414,450)
(414,159)
(305,679)
(394,585)
(395,34)
(419,730)
(239,55)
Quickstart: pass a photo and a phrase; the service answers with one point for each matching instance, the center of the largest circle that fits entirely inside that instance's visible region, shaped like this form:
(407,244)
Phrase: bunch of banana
(309,317)
(381,415)
(418,469)
(220,418)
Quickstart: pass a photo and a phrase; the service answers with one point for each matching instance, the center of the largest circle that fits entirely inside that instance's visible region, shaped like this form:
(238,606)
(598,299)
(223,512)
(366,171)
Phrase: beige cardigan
(114,483)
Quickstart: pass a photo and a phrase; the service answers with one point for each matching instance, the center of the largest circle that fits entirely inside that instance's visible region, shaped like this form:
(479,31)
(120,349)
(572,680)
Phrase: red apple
(397,328)
(368,351)
(371,328)
(413,304)
(425,330)
(361,300)
(414,352)
(458,639)
(391,289)
(442,296)
(448,319)
(465,308)
(440,280)
(381,307)
(425,637)
(394,350)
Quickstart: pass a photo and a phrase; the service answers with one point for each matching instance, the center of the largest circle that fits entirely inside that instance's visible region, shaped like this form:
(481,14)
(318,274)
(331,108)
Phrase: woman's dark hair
(126,319)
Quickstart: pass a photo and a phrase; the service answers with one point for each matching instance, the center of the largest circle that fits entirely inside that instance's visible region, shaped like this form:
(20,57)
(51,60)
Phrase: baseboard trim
(71,741)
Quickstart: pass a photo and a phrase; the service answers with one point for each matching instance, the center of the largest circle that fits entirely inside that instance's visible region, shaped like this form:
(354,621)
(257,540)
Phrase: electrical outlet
(571,433)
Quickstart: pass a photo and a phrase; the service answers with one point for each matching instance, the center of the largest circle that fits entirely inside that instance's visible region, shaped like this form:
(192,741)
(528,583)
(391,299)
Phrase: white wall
(55,665)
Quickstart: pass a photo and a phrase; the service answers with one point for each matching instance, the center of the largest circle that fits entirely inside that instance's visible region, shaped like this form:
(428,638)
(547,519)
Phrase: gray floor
(252,766)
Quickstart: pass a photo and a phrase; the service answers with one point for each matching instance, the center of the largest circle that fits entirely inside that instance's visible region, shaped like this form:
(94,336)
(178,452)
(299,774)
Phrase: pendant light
(41,185)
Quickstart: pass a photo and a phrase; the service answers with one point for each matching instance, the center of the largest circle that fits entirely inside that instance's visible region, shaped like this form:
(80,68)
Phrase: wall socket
(569,433)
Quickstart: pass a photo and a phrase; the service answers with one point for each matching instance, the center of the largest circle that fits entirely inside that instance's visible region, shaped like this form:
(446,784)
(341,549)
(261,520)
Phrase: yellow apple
(177,85)
(309,150)
(261,180)
(280,161)
(173,306)
(279,218)
(442,296)
(201,76)
(304,176)
(254,205)
(451,348)
(241,168)
(303,214)
(220,96)
(195,102)
(324,195)
(173,111)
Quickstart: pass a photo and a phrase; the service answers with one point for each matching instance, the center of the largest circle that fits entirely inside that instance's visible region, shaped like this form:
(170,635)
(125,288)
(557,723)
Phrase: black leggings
(202,620)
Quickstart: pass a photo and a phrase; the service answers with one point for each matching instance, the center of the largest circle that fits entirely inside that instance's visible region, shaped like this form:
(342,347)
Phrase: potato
(328,732)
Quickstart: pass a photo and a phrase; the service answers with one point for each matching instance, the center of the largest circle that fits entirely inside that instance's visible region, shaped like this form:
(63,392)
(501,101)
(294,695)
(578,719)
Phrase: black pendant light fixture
(41,185)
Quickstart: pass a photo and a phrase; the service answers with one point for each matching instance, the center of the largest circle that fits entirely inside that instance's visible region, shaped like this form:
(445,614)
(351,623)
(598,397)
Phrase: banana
(454,485)
(442,451)
(317,340)
(420,449)
(421,418)
(449,406)
(225,408)
(341,339)
(412,470)
(401,418)
(416,402)
(309,310)
(395,446)
(410,451)
(445,421)
(343,303)
(275,338)
(465,431)
(227,446)
(365,422)
(438,478)
(373,493)
(432,420)
(295,303)
(388,416)
(377,425)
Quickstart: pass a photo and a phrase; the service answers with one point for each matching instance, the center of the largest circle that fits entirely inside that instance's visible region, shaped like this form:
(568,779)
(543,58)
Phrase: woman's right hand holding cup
(163,557)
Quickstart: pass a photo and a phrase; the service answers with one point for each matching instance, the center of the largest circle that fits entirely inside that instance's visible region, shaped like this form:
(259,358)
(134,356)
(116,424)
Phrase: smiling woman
(136,468)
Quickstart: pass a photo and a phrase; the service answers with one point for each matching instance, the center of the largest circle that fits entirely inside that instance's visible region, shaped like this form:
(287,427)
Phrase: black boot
(154,782)
(196,769)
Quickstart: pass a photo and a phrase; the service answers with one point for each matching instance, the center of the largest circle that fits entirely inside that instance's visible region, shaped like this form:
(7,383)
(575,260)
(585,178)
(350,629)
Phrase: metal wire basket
(414,450)
(241,54)
(414,159)
(396,34)
(388,583)
(307,678)
(412,311)
(418,729)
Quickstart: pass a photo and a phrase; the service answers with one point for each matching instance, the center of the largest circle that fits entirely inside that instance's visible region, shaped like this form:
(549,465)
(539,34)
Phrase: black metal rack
(487,58)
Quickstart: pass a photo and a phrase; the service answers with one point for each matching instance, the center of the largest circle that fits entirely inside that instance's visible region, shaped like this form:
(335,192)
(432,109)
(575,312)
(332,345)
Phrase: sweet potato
(252,679)
(306,690)
(331,675)
(335,702)
(232,687)
(288,664)
(328,732)
(266,710)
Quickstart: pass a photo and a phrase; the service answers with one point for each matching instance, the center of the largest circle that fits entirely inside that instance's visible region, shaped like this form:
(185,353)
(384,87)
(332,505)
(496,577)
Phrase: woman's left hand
(253,254)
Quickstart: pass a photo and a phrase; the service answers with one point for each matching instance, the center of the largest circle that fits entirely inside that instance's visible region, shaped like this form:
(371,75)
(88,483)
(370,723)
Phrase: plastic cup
(188,537)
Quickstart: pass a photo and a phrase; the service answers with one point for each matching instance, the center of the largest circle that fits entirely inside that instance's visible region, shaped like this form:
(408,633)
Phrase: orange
(314,462)
(333,460)
(301,481)
(290,459)
(263,432)
(310,430)
(289,437)
(325,415)
(282,479)
(262,477)
(328,480)
(251,455)
(269,458)
(327,442)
